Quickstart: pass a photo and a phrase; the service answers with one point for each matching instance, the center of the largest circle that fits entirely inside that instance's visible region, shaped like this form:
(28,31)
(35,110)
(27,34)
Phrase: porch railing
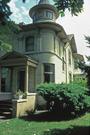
(5,96)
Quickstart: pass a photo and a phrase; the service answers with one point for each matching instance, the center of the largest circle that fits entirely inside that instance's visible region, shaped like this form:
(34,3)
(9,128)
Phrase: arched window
(69,57)
(29,44)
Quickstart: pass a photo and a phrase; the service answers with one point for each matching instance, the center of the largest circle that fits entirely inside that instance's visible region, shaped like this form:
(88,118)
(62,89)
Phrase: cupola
(43,12)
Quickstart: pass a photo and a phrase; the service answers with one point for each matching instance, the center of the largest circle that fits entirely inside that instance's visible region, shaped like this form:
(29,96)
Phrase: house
(43,52)
(78,75)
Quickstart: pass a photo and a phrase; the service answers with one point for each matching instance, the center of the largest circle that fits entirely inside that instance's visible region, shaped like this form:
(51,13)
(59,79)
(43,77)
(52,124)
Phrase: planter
(18,96)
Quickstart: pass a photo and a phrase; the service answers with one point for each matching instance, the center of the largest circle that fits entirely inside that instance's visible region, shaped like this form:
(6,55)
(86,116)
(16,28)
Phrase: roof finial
(44,2)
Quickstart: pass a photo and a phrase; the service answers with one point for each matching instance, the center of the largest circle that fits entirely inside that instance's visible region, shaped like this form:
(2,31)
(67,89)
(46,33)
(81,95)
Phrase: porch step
(6,108)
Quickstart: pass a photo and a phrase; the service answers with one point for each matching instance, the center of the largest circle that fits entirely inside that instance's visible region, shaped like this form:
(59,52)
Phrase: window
(49,14)
(5,80)
(41,14)
(70,77)
(34,17)
(59,49)
(75,64)
(29,46)
(49,70)
(69,57)
(63,64)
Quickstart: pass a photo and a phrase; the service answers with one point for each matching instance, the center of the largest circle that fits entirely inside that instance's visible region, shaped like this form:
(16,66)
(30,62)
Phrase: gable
(11,56)
(72,43)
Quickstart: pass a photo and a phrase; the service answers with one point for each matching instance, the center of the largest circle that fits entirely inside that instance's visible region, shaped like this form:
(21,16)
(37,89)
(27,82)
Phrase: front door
(21,80)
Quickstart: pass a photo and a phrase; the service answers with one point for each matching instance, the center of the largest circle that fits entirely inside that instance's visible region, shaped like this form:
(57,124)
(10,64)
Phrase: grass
(27,127)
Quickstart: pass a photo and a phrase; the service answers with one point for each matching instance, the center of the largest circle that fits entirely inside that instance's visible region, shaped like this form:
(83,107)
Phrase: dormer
(43,12)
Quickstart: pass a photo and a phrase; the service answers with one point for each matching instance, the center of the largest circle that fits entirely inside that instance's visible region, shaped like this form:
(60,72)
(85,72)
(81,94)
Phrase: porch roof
(16,59)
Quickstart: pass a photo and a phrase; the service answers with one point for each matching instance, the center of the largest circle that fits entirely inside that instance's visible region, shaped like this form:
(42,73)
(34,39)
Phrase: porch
(17,73)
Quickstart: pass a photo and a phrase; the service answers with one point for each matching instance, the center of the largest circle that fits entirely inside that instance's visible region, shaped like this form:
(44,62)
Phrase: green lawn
(22,127)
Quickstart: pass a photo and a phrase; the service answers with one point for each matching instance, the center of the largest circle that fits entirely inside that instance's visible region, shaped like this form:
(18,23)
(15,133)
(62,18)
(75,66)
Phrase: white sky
(79,26)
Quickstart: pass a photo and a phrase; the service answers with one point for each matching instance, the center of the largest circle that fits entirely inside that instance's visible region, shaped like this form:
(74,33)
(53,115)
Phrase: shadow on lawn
(70,131)
(48,116)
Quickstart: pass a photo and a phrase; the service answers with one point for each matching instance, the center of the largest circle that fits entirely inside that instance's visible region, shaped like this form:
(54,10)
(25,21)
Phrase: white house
(43,52)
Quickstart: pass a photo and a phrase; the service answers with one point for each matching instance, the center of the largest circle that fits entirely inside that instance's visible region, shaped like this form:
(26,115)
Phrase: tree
(7,27)
(4,11)
(87,38)
(86,67)
(74,6)
(6,33)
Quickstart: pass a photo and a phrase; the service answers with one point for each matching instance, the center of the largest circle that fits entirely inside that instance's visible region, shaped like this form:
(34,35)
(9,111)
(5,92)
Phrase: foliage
(7,33)
(7,27)
(23,1)
(4,11)
(74,6)
(86,68)
(87,38)
(20,94)
(66,98)
(83,66)
(82,82)
(5,46)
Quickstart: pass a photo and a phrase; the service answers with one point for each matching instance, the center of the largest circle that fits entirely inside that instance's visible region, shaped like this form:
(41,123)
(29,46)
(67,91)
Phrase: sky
(77,25)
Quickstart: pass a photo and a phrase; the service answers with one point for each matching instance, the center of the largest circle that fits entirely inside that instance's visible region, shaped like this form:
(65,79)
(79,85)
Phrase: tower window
(49,14)
(49,70)
(29,45)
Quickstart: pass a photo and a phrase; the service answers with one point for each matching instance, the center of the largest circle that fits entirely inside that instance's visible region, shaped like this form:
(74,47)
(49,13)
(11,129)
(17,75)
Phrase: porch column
(26,78)
(14,76)
(0,78)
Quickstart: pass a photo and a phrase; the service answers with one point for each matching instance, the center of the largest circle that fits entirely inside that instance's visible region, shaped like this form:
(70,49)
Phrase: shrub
(82,82)
(65,98)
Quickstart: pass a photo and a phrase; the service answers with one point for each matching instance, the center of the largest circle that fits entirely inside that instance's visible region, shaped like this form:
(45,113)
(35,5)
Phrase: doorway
(21,80)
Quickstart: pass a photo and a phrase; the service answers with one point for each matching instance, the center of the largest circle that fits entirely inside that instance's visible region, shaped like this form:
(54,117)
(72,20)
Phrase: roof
(72,42)
(44,2)
(16,55)
(51,25)
(78,56)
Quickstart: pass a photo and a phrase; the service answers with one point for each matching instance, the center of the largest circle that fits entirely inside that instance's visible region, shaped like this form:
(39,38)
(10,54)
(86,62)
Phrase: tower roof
(42,7)
(44,2)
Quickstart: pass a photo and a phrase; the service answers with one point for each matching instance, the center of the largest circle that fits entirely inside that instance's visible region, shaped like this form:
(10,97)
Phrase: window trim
(49,14)
(32,44)
(70,77)
(63,64)
(69,58)
(49,72)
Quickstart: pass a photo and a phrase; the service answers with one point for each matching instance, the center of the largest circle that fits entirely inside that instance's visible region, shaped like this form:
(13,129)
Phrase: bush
(82,82)
(65,98)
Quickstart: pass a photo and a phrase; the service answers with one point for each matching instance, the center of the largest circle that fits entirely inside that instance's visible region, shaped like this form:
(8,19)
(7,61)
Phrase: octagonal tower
(43,12)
